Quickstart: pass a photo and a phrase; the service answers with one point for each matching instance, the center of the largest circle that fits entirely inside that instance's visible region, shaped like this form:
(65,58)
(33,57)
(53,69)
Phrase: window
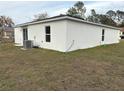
(103,33)
(122,33)
(25,34)
(48,33)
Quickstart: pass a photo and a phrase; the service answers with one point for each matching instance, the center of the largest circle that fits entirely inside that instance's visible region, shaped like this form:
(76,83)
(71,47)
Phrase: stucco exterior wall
(67,35)
(58,35)
(81,36)
(36,33)
(112,36)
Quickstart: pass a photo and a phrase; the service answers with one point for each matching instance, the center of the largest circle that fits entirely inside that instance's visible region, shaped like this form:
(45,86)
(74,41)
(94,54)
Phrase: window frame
(25,34)
(48,34)
(103,34)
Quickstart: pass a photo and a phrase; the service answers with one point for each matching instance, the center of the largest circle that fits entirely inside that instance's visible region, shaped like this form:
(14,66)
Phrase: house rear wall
(36,33)
(82,35)
(58,35)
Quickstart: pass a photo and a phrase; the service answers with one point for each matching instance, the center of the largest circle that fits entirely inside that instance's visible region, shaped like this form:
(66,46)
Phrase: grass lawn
(100,68)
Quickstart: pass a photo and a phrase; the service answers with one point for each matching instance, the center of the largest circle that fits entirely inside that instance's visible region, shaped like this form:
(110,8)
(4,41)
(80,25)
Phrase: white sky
(23,11)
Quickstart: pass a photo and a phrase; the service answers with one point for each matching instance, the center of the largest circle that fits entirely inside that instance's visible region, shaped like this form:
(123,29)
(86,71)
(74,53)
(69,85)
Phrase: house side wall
(112,36)
(58,35)
(81,36)
(36,33)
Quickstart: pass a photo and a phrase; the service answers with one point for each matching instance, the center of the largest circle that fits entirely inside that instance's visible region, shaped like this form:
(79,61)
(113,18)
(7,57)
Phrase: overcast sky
(22,11)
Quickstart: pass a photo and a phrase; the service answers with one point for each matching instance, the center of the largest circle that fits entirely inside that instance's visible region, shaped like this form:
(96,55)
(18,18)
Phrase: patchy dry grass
(100,68)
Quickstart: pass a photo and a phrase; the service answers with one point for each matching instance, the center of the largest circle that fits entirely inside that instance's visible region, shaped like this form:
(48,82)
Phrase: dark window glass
(47,38)
(47,29)
(25,34)
(102,38)
(48,34)
(103,33)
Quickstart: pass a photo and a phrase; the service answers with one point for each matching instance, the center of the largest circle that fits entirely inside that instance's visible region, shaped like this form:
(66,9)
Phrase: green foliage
(120,14)
(106,20)
(93,12)
(93,17)
(111,13)
(72,11)
(101,18)
(79,5)
(77,10)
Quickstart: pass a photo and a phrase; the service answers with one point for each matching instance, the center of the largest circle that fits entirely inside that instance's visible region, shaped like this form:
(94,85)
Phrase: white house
(66,33)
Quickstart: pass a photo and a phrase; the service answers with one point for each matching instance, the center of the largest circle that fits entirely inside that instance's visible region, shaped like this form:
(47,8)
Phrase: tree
(72,11)
(106,20)
(93,17)
(77,10)
(6,21)
(79,6)
(41,16)
(93,12)
(100,18)
(120,14)
(111,13)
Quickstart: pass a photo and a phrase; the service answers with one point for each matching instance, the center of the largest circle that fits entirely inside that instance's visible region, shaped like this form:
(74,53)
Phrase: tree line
(112,18)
